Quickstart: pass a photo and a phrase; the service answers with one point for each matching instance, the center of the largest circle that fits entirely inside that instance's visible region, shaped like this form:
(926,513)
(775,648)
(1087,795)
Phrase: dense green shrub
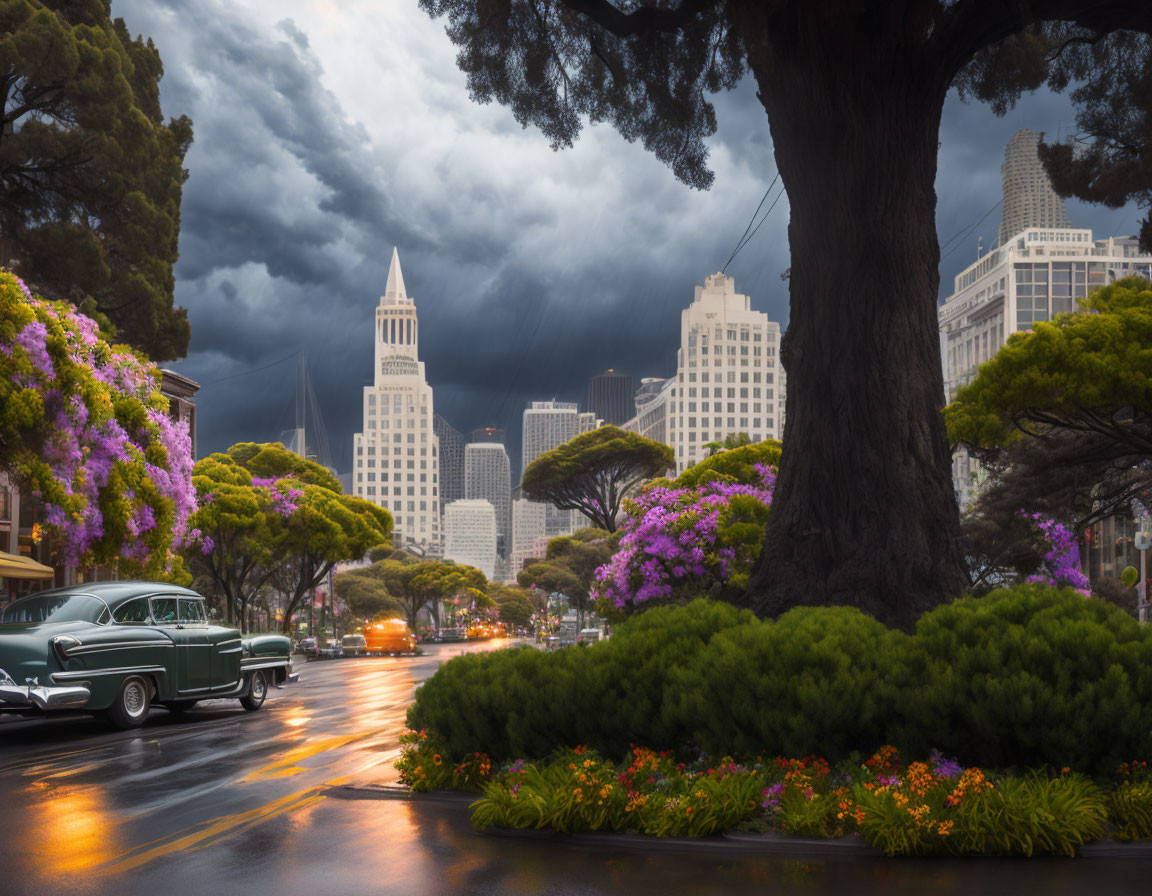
(609,695)
(814,681)
(1028,676)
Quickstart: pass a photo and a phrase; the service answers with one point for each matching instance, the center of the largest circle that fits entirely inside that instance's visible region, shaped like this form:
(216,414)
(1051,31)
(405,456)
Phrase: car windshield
(53,608)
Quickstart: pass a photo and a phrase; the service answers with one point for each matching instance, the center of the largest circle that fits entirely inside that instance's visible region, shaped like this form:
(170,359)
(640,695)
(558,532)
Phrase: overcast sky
(328,132)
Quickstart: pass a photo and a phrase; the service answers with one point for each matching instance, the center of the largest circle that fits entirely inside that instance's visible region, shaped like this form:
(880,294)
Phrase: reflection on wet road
(86,806)
(225,801)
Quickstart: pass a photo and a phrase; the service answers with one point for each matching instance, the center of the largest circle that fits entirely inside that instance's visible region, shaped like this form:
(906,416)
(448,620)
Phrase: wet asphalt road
(225,801)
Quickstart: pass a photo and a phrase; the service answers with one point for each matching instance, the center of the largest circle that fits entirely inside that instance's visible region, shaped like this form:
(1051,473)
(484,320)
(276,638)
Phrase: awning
(13,566)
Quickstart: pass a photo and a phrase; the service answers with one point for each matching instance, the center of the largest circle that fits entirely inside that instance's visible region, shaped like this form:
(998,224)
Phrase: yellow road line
(216,830)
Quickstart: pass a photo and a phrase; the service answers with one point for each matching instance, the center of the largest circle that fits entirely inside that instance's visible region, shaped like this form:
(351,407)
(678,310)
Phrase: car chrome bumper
(40,696)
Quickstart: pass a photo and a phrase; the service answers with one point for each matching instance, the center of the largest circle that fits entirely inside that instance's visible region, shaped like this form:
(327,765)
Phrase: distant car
(453,634)
(118,648)
(389,636)
(354,645)
(306,646)
(330,649)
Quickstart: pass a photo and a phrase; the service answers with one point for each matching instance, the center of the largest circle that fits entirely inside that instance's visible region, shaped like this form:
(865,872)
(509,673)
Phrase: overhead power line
(745,236)
(966,232)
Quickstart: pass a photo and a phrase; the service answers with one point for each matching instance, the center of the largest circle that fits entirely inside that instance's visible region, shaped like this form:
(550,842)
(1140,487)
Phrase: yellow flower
(436,758)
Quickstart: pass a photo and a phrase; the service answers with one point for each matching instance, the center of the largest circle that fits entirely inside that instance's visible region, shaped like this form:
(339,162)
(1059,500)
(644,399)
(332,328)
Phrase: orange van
(391,636)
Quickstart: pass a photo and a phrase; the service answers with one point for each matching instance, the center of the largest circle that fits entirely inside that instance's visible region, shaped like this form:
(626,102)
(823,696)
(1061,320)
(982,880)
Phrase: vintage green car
(117,648)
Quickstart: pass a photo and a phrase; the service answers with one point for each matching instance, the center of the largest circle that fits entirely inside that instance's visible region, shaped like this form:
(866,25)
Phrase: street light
(1142,541)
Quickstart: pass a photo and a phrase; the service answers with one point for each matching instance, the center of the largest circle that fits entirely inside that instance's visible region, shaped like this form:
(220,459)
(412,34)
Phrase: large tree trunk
(864,512)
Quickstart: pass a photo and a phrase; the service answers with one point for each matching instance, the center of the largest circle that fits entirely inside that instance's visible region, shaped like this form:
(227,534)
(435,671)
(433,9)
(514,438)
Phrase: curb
(730,843)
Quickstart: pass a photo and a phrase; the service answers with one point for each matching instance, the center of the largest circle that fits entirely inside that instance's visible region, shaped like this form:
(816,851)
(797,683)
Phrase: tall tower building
(1029,200)
(396,456)
(488,476)
(729,379)
(470,535)
(610,397)
(451,461)
(547,425)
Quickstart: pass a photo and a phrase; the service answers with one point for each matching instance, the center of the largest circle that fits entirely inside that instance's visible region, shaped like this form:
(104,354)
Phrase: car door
(193,660)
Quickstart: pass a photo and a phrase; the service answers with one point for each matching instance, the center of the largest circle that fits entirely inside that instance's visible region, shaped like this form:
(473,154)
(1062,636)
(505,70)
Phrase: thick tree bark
(864,512)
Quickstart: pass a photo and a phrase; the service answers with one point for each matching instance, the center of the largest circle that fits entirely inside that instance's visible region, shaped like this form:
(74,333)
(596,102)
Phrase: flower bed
(919,808)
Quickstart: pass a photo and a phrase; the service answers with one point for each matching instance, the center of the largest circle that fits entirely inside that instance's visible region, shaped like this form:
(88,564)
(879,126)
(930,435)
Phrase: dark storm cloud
(327,133)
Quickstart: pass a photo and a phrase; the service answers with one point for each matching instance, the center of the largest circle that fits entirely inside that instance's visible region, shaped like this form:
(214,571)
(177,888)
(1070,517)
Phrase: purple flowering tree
(269,517)
(683,541)
(1061,567)
(84,427)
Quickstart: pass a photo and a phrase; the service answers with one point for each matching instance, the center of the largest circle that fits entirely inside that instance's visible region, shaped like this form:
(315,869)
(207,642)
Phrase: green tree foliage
(854,94)
(515,606)
(1089,373)
(270,516)
(1028,676)
(733,441)
(569,567)
(731,465)
(90,174)
(365,595)
(416,584)
(593,472)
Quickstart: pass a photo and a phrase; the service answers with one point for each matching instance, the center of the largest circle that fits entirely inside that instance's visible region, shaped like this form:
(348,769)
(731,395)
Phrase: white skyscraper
(396,457)
(1029,200)
(487,476)
(729,379)
(470,535)
(529,525)
(547,425)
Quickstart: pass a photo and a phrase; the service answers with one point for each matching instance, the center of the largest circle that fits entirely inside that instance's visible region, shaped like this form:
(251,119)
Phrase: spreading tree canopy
(593,472)
(416,584)
(569,567)
(365,595)
(268,515)
(1089,373)
(90,174)
(864,512)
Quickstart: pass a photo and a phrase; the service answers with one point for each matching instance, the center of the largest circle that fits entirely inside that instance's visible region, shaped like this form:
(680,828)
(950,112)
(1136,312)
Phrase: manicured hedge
(1027,677)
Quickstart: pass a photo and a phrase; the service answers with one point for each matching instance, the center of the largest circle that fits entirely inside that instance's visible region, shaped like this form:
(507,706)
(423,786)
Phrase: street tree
(416,585)
(83,426)
(513,604)
(365,595)
(271,516)
(594,472)
(569,567)
(1085,373)
(90,174)
(864,511)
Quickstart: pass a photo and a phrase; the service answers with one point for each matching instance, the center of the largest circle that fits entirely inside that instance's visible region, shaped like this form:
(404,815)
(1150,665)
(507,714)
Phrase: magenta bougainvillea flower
(687,538)
(83,425)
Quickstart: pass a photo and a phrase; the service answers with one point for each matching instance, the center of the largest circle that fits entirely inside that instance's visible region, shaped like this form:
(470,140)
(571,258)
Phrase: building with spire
(1029,200)
(396,456)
